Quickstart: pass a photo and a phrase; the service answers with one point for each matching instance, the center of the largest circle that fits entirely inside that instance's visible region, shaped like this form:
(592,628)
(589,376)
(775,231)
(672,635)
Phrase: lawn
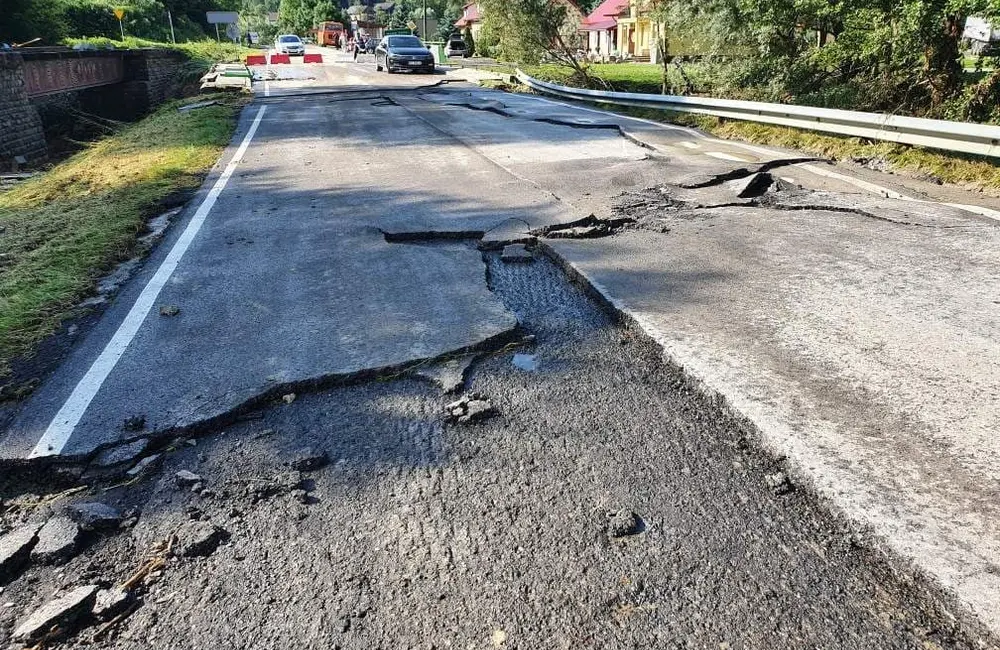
(622,77)
(62,230)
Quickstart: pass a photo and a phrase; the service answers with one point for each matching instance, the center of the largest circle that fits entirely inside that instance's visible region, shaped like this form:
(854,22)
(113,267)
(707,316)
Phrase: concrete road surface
(847,322)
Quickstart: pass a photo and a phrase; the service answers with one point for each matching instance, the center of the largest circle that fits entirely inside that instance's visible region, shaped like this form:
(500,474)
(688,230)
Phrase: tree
(470,43)
(529,30)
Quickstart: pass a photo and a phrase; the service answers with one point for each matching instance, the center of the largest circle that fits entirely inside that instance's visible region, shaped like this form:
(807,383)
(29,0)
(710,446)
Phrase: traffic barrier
(312,58)
(256,59)
(280,58)
(965,137)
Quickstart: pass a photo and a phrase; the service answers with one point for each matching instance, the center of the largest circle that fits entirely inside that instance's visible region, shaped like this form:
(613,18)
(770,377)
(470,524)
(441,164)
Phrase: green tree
(529,30)
(470,42)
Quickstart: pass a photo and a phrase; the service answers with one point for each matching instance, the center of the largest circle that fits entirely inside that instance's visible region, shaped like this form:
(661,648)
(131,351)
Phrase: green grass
(207,51)
(622,77)
(63,229)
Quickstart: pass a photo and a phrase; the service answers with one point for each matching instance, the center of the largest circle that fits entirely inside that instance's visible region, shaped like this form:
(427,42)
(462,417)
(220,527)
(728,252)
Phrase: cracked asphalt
(420,533)
(664,464)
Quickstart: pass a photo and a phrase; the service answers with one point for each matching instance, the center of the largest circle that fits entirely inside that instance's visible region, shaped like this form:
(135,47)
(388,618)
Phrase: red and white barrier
(256,59)
(312,58)
(280,58)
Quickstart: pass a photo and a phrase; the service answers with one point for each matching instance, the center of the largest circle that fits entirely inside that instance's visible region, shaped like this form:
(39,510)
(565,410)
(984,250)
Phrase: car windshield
(289,39)
(404,41)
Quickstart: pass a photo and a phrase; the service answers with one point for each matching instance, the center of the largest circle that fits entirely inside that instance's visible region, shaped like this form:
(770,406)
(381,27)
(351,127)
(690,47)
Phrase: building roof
(470,14)
(605,16)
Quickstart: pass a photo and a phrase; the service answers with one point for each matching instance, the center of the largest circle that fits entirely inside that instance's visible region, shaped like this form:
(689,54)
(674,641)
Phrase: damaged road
(366,385)
(596,483)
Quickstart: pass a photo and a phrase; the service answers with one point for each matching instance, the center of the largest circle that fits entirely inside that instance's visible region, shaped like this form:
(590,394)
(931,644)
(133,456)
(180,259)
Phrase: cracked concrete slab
(285,287)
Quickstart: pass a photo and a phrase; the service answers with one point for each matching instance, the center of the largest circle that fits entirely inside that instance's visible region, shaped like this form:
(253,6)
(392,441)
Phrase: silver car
(289,44)
(455,47)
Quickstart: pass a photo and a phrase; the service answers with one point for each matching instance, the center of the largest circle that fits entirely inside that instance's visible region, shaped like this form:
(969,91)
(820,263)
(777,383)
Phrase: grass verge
(62,230)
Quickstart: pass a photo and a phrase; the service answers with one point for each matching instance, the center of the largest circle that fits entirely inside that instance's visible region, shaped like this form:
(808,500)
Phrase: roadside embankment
(60,230)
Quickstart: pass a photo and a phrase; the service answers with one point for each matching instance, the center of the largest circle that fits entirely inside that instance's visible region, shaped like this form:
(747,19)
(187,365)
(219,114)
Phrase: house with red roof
(471,19)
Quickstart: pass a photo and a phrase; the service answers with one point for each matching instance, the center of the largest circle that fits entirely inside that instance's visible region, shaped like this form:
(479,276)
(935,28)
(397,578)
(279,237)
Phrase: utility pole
(217,37)
(424,32)
(170,19)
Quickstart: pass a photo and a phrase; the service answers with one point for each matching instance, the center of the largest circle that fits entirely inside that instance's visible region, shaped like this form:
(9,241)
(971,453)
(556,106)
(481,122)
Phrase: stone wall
(153,77)
(21,130)
(147,79)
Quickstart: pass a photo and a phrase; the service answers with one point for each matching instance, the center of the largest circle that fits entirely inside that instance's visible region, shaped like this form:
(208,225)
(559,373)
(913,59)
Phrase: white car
(289,44)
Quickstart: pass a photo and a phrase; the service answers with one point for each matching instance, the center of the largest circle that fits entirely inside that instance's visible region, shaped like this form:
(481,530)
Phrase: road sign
(119,13)
(222,17)
(412,25)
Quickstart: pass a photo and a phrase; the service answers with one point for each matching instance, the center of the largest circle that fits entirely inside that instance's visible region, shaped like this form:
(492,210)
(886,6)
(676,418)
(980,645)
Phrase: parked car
(403,53)
(455,47)
(289,44)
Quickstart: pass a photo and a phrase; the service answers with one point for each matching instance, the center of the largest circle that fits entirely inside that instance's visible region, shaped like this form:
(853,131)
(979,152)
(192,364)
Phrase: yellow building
(637,33)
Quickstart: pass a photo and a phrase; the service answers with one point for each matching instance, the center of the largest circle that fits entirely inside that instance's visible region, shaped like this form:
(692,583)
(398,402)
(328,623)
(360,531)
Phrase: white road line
(725,156)
(61,428)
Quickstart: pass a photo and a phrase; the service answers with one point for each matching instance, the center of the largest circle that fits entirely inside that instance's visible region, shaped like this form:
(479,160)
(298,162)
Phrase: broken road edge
(906,567)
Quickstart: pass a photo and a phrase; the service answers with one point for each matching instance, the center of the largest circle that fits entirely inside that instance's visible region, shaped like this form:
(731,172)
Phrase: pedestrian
(359,43)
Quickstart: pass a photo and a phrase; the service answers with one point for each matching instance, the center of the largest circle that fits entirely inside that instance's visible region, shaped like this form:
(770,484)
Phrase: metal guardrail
(965,137)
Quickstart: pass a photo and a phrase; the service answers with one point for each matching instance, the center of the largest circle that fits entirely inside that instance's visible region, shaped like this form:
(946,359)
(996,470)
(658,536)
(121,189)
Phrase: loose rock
(199,539)
(15,549)
(62,611)
(57,541)
(308,459)
(779,483)
(121,454)
(471,408)
(109,603)
(169,310)
(186,479)
(145,465)
(624,523)
(94,516)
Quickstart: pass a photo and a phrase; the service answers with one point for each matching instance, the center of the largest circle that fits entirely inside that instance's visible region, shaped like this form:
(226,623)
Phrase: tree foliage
(889,54)
(528,31)
(55,20)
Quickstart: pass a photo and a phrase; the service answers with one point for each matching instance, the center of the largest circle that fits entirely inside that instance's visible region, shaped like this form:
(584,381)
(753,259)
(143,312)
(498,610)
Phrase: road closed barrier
(280,58)
(312,58)
(256,59)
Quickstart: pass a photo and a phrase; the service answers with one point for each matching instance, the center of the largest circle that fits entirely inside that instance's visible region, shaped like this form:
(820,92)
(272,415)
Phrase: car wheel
(388,68)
